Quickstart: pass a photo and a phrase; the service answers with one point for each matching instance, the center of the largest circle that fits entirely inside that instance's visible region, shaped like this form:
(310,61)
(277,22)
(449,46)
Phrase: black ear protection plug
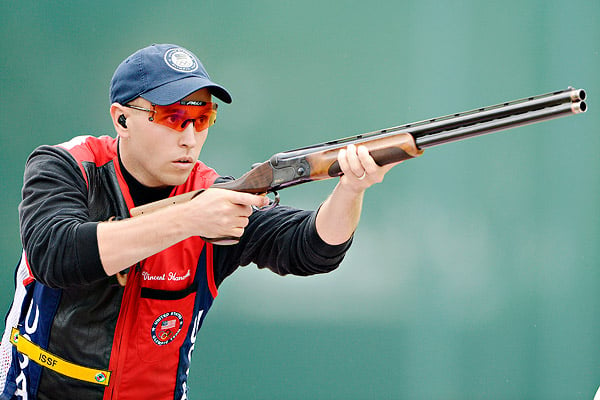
(122,120)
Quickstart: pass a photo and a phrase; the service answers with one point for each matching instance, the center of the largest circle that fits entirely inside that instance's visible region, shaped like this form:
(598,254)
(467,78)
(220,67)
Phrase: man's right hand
(215,213)
(218,213)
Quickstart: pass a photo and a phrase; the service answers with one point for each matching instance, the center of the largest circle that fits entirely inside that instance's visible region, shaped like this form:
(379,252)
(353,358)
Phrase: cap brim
(174,91)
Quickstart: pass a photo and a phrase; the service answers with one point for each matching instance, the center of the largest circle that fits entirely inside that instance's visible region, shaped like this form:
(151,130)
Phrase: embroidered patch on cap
(166,327)
(181,60)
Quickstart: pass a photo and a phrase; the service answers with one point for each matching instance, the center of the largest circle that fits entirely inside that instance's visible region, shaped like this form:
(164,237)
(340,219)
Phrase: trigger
(274,203)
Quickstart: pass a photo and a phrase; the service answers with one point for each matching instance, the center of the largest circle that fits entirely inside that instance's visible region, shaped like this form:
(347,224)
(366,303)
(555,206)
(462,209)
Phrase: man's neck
(140,193)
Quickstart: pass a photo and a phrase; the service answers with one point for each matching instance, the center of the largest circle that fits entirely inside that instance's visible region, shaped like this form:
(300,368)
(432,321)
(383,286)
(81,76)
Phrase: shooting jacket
(134,341)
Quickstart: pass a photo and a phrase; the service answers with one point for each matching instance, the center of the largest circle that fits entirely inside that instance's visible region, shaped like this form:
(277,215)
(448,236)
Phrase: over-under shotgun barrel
(458,120)
(498,124)
(393,144)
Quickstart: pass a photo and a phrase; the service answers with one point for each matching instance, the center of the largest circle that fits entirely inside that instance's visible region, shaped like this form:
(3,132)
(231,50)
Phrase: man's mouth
(184,160)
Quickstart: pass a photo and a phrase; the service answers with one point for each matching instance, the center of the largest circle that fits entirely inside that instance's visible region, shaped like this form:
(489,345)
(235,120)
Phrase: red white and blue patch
(166,327)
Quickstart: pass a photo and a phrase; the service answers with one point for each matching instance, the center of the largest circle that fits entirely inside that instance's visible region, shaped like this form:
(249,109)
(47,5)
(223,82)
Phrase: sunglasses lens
(178,116)
(205,120)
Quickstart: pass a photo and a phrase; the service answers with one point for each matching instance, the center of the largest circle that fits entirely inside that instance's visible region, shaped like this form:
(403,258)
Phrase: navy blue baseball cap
(162,74)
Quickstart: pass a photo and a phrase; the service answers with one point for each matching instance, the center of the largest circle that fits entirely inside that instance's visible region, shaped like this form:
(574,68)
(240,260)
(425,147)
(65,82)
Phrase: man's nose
(188,136)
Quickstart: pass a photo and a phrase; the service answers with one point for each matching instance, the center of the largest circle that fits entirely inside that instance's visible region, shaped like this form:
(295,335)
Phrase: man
(108,306)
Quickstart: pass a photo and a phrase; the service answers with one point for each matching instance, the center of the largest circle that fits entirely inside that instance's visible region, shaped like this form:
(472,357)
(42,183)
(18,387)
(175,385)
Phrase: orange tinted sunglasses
(176,116)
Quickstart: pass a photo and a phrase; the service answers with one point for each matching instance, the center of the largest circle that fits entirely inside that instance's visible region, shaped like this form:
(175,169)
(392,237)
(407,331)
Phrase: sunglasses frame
(183,103)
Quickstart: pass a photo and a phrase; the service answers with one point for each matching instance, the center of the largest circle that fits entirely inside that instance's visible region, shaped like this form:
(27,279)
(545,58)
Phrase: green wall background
(474,273)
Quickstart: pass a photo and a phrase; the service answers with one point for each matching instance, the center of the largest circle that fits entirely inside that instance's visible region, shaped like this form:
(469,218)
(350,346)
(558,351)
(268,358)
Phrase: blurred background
(475,270)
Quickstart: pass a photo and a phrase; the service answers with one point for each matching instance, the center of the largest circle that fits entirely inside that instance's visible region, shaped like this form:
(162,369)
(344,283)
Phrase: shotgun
(319,161)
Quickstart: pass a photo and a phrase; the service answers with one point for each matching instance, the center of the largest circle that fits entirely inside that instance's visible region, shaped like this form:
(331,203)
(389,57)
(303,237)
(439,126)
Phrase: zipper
(122,332)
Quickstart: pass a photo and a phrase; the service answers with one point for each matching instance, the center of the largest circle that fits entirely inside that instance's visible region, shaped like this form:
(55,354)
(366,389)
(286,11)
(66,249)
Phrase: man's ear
(119,114)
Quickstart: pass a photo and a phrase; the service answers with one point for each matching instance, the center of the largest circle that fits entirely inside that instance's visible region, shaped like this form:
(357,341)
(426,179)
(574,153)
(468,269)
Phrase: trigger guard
(274,203)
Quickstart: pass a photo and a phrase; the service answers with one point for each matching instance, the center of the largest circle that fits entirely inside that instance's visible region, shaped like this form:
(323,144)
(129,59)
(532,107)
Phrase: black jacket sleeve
(284,240)
(58,237)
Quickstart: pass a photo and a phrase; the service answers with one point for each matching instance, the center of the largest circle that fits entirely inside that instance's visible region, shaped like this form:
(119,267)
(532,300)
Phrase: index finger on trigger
(249,199)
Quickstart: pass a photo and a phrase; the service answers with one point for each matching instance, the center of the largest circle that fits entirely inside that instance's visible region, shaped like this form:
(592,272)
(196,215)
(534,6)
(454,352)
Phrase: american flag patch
(168,324)
(166,327)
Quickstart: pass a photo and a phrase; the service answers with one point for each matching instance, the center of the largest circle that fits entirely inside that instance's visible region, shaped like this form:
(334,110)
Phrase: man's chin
(175,181)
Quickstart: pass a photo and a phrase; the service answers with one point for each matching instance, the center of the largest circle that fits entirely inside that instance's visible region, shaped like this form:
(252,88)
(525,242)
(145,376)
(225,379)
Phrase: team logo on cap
(166,327)
(181,60)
